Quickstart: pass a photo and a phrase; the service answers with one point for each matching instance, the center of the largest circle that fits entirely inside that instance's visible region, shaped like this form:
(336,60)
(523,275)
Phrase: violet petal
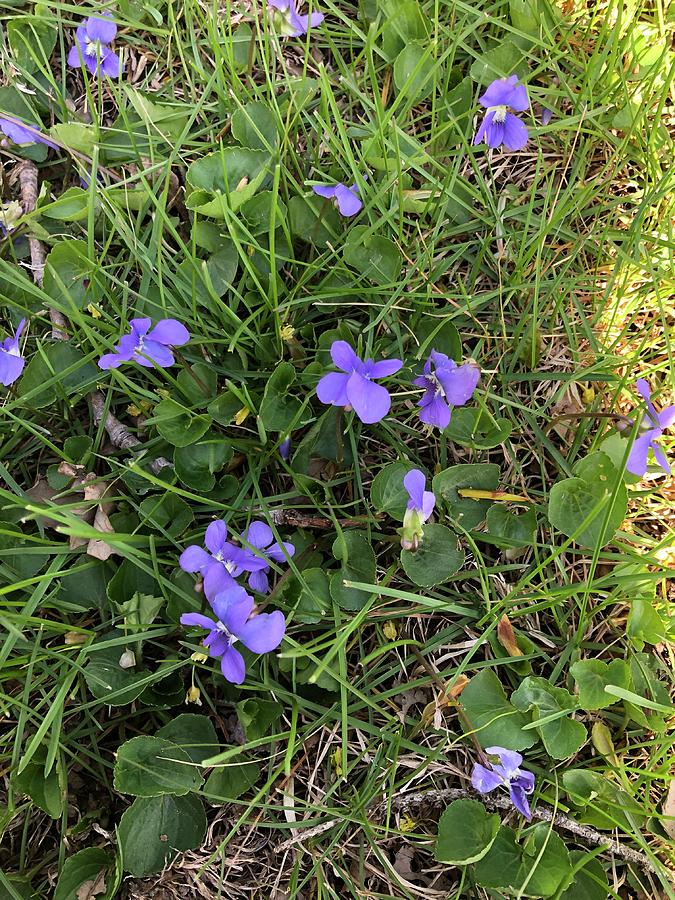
(264,632)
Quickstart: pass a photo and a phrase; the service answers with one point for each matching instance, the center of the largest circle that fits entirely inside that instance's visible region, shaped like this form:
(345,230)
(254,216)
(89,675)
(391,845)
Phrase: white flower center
(93,48)
(229,565)
(223,630)
(499,114)
(438,387)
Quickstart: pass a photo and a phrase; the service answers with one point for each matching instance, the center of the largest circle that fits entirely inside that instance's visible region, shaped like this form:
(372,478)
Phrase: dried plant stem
(26,173)
(298,519)
(435,798)
(118,433)
(306,834)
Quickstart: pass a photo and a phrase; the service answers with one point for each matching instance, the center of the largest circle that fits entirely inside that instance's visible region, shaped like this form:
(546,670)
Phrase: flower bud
(128,659)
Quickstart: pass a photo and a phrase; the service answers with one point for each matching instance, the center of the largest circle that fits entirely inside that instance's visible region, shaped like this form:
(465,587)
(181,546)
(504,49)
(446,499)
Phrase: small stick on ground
(306,834)
(26,173)
(118,433)
(441,797)
(301,520)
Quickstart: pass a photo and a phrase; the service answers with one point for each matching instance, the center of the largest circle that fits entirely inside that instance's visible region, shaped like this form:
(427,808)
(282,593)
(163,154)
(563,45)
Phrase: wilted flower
(11,360)
(356,388)
(446,384)
(260,536)
(194,695)
(499,126)
(506,773)
(288,22)
(218,564)
(345,198)
(23,133)
(10,213)
(147,347)
(91,46)
(652,427)
(233,608)
(421,504)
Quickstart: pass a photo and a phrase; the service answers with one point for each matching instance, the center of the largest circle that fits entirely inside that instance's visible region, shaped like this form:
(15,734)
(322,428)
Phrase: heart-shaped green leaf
(436,559)
(591,505)
(495,721)
(466,831)
(154,829)
(151,766)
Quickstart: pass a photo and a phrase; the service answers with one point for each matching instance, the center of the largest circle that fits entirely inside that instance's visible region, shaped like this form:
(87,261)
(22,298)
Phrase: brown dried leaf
(404,857)
(568,404)
(97,548)
(433,712)
(90,486)
(73,471)
(93,488)
(668,809)
(408,699)
(460,683)
(42,492)
(507,637)
(93,887)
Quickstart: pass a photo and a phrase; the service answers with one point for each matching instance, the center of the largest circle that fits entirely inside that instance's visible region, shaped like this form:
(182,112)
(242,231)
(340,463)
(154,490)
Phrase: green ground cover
(531,612)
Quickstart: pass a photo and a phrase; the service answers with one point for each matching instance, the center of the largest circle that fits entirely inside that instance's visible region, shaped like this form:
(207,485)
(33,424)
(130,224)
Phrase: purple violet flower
(505,773)
(285,448)
(288,22)
(260,633)
(218,565)
(260,536)
(91,46)
(499,126)
(147,348)
(651,428)
(445,384)
(355,388)
(11,360)
(344,198)
(421,504)
(23,133)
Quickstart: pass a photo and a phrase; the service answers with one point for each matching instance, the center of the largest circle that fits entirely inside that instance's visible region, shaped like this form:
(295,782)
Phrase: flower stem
(339,455)
(188,368)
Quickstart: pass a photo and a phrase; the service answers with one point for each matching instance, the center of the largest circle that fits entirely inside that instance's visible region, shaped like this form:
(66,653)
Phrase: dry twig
(299,519)
(435,798)
(118,433)
(26,174)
